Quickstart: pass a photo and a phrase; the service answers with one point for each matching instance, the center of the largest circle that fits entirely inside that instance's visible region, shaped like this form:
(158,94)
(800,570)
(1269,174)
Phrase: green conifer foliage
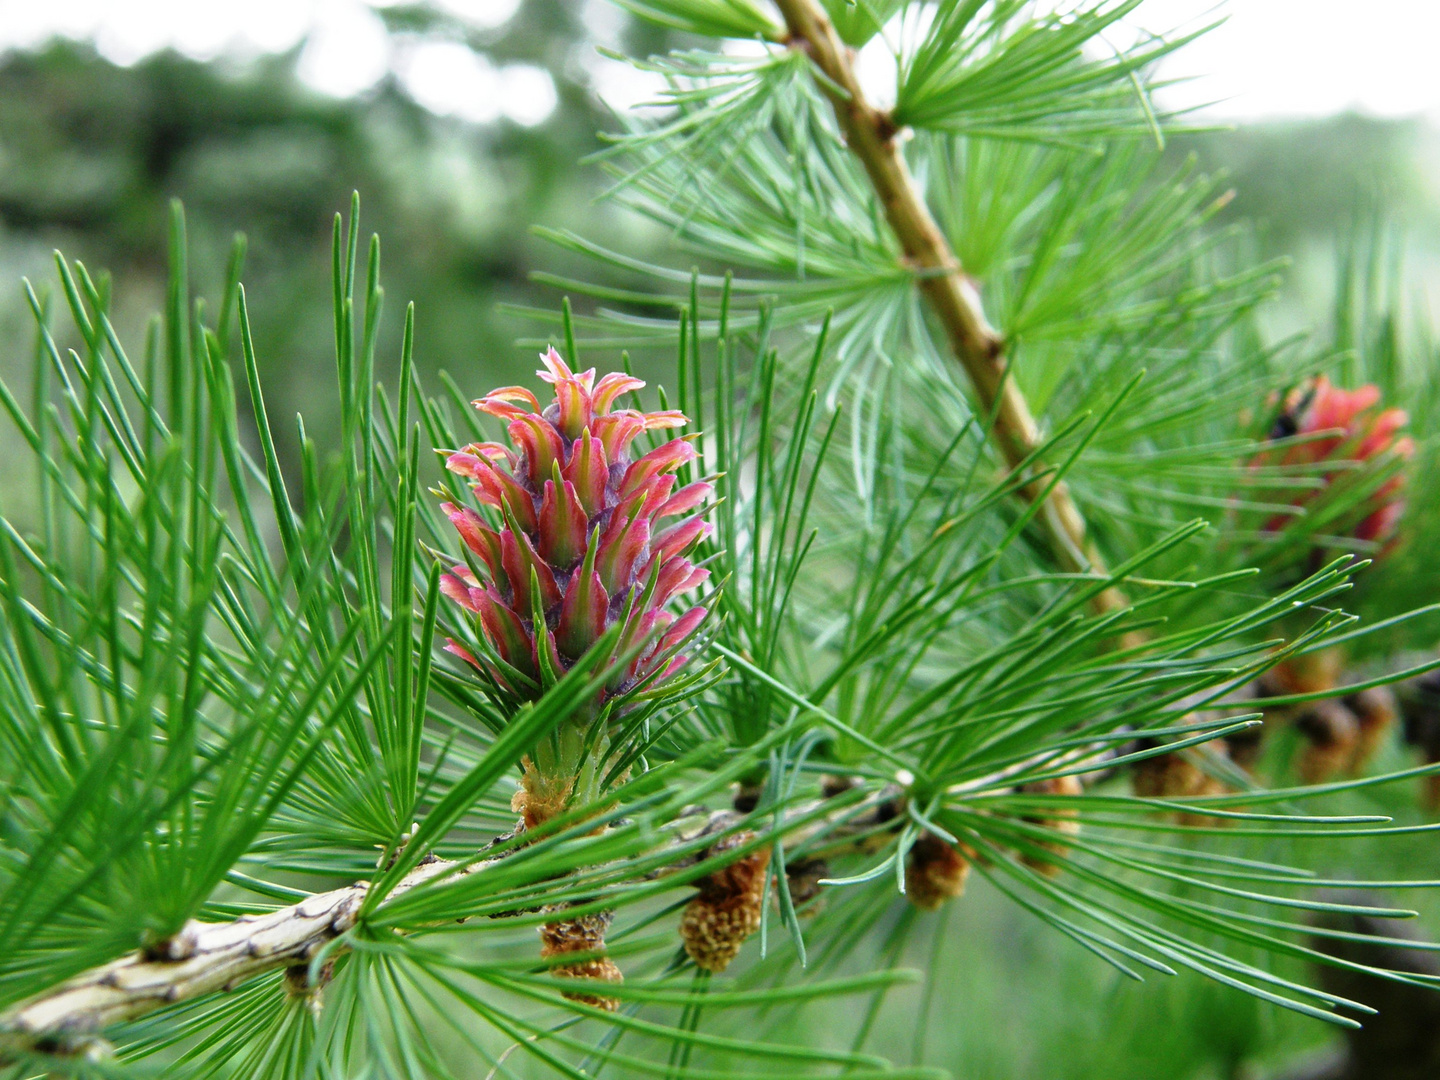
(1006,553)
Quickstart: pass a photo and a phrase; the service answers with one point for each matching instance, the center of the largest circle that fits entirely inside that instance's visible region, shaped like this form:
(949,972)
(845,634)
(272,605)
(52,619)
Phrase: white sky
(1271,58)
(1307,57)
(346,48)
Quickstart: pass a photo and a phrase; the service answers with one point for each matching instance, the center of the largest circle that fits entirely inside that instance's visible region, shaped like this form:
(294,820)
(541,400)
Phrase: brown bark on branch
(202,958)
(207,957)
(952,296)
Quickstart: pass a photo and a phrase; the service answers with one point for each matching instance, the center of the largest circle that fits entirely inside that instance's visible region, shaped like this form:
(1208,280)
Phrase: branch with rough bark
(207,957)
(201,959)
(977,346)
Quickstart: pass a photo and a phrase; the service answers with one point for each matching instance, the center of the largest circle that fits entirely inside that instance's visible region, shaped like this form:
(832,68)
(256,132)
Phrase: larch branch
(977,346)
(207,957)
(201,959)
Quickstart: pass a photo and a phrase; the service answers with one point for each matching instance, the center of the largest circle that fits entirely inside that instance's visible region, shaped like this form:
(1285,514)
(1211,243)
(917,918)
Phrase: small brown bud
(934,872)
(716,923)
(1378,711)
(1333,734)
(300,987)
(804,879)
(582,934)
(1420,707)
(1062,821)
(180,945)
(833,786)
(1311,673)
(78,1045)
(746,796)
(1244,747)
(1171,776)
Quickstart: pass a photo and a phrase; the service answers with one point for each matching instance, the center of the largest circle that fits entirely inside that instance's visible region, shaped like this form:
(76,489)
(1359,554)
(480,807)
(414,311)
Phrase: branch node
(178,946)
(310,992)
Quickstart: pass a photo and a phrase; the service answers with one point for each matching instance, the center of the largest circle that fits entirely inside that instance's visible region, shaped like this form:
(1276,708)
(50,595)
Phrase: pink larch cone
(1362,433)
(575,536)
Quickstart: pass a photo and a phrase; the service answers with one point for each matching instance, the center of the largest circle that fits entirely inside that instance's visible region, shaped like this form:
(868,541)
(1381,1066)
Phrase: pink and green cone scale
(576,535)
(1362,433)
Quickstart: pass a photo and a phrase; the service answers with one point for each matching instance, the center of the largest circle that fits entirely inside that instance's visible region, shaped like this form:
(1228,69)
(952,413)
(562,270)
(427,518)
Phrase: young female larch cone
(1361,433)
(1350,430)
(577,536)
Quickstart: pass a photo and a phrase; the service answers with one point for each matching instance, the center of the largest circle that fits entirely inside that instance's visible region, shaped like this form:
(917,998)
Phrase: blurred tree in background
(92,152)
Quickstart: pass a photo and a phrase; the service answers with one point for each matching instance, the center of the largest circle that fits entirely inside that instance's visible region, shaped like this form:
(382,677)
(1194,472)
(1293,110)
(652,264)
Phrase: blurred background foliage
(91,151)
